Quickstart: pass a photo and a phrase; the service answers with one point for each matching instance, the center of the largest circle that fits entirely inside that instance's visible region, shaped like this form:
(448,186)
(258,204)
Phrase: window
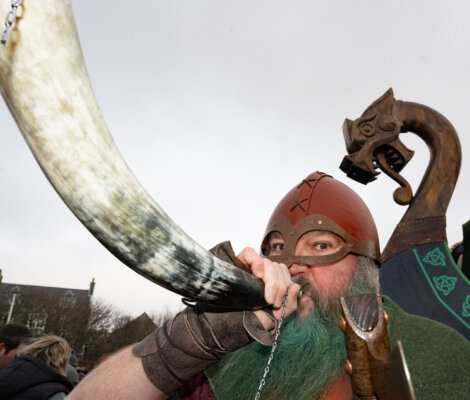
(67,300)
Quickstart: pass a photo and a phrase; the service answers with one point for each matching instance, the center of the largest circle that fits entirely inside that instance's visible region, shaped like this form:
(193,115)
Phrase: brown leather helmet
(320,202)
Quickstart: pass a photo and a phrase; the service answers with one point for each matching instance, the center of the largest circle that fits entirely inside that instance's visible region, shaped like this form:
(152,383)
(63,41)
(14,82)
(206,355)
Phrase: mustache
(326,307)
(305,287)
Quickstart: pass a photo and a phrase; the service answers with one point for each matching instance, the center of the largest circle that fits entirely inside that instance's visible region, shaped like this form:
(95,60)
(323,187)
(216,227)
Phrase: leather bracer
(196,338)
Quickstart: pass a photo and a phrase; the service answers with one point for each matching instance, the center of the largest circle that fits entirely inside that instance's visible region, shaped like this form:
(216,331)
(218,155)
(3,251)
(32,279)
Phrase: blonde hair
(53,350)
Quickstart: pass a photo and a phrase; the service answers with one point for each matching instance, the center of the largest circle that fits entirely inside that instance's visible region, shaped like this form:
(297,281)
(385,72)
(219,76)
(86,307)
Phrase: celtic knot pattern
(435,257)
(466,307)
(445,284)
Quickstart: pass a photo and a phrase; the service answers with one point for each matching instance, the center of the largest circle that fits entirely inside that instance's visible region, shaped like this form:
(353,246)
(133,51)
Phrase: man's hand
(276,278)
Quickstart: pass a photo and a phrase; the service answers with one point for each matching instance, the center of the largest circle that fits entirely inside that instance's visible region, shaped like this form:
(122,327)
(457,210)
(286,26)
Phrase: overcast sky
(220,107)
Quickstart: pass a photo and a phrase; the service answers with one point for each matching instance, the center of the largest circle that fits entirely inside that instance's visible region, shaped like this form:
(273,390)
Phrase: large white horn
(45,84)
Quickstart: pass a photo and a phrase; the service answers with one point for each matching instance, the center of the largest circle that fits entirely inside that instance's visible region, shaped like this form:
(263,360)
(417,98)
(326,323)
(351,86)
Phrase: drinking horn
(45,85)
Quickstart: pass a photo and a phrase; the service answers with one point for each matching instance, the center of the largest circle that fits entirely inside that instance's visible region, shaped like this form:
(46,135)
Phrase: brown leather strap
(225,252)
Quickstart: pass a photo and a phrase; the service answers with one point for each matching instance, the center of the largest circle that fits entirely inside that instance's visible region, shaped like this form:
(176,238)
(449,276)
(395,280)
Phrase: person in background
(72,373)
(38,371)
(82,372)
(12,338)
(459,254)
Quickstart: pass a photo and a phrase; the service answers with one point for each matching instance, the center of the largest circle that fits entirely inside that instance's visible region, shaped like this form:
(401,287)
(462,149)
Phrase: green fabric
(438,357)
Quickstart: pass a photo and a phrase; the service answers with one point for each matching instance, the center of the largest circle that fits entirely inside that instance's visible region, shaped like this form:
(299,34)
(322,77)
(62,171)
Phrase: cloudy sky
(220,107)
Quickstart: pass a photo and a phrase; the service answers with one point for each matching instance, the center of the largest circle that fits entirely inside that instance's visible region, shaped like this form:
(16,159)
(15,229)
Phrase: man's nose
(297,269)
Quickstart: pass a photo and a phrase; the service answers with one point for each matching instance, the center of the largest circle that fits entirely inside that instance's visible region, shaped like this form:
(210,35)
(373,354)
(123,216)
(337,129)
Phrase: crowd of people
(35,367)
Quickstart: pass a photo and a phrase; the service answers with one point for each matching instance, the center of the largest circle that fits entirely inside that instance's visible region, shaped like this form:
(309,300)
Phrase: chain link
(262,382)
(10,19)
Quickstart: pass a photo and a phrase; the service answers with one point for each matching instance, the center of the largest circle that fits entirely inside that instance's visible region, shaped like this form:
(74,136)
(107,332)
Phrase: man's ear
(2,349)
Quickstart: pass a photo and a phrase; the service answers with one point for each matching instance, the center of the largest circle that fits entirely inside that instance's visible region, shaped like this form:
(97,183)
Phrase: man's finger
(292,298)
(249,257)
(283,283)
(291,305)
(271,281)
(285,273)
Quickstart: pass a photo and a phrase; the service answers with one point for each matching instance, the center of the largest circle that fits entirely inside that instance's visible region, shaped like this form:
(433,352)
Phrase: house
(45,309)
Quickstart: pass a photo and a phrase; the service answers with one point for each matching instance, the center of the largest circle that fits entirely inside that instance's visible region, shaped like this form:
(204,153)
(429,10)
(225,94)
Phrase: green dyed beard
(309,356)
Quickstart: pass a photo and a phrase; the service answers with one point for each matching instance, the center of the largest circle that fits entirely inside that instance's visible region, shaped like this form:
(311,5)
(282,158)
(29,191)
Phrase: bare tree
(93,327)
(159,317)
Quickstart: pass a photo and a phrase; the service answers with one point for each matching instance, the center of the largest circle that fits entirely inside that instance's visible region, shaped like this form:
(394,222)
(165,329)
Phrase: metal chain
(262,382)
(10,20)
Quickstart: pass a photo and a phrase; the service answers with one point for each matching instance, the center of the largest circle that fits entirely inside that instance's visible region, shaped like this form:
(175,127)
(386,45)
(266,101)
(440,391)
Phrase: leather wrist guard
(194,339)
(198,337)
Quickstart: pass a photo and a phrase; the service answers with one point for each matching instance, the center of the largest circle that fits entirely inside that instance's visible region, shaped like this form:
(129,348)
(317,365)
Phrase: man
(459,254)
(323,237)
(72,373)
(12,338)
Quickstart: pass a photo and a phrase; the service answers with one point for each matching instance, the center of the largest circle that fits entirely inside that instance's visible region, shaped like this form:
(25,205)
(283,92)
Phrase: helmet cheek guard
(322,203)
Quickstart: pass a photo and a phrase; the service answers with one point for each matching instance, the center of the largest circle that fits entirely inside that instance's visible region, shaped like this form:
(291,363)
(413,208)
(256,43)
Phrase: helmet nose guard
(320,195)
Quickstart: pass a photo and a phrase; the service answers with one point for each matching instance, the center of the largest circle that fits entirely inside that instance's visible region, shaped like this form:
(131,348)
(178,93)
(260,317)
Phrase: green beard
(309,356)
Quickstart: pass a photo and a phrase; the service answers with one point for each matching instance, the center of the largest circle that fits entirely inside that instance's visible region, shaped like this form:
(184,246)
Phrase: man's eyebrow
(334,237)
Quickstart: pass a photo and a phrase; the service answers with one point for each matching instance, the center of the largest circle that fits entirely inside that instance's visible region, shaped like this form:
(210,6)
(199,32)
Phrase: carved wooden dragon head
(372,142)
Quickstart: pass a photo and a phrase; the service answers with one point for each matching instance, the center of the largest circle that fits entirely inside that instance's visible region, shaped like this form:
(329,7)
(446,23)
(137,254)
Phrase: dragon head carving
(372,142)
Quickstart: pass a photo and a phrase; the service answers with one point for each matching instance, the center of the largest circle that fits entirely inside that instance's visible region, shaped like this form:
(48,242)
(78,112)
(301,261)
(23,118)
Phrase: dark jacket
(30,378)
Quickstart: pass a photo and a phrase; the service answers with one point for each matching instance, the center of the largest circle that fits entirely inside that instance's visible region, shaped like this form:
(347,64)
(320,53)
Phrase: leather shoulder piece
(225,252)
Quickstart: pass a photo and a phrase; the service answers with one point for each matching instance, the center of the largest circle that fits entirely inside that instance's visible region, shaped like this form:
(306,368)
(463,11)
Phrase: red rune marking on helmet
(307,181)
(298,203)
(322,198)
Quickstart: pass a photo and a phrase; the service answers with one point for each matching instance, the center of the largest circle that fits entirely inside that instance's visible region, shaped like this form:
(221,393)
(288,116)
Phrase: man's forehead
(313,234)
(322,233)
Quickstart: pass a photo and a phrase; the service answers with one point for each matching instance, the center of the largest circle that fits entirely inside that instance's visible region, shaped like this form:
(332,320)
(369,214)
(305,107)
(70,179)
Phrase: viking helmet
(320,202)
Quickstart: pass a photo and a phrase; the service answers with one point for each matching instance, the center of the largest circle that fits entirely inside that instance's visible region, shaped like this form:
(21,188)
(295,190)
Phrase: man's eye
(278,246)
(322,246)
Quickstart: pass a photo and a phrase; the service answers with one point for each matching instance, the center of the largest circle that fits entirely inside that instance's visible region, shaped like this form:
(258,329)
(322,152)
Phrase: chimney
(92,288)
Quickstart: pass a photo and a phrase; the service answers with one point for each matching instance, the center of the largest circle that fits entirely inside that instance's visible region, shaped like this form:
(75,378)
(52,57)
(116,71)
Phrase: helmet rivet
(320,222)
(292,233)
(342,324)
(348,367)
(386,317)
